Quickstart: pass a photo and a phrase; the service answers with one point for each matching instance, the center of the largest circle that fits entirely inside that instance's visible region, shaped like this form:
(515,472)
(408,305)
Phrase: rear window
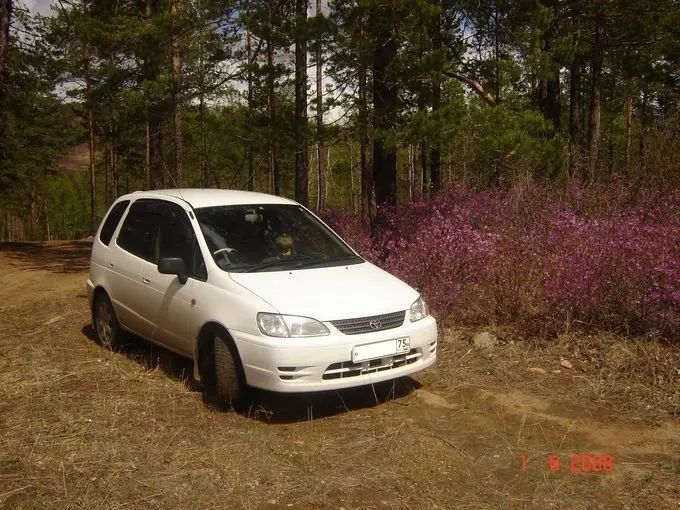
(112,221)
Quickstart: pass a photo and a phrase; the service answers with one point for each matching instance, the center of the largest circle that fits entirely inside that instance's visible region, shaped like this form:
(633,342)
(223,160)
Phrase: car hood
(330,293)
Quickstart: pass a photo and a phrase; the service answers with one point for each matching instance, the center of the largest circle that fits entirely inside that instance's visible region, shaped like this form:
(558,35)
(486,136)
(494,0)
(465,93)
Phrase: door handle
(146,280)
(111,264)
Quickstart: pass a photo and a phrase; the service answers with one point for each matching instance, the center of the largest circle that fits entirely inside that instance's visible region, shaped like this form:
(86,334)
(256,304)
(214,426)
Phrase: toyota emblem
(375,324)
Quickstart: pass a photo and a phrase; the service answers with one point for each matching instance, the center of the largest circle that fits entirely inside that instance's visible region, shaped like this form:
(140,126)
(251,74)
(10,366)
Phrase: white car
(256,290)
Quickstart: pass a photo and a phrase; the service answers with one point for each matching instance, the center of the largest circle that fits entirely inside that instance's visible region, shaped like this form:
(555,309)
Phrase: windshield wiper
(274,263)
(313,263)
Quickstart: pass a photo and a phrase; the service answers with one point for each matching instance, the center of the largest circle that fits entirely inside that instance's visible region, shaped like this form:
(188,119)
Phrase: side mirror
(176,266)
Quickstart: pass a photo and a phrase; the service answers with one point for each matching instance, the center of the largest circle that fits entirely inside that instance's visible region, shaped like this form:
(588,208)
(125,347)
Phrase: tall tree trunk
(642,167)
(5,20)
(274,181)
(113,157)
(595,107)
(201,120)
(34,207)
(629,130)
(176,92)
(301,148)
(46,221)
(249,143)
(497,59)
(411,171)
(435,155)
(427,179)
(320,162)
(147,156)
(574,120)
(90,139)
(367,184)
(384,105)
(154,114)
(113,162)
(551,106)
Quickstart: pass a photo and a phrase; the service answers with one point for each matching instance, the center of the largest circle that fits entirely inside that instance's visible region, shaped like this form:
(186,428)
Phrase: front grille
(350,369)
(363,324)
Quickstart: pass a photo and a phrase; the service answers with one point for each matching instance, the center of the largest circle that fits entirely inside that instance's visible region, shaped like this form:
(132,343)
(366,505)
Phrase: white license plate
(381,349)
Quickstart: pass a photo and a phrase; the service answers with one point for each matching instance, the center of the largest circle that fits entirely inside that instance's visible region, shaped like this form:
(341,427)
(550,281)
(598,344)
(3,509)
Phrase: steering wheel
(230,255)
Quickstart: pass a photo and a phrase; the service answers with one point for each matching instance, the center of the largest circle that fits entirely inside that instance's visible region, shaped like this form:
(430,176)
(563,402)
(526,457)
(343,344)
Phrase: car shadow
(282,408)
(153,357)
(58,256)
(261,405)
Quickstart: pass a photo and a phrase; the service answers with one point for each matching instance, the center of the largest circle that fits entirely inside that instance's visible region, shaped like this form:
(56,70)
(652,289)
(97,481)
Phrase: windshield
(271,237)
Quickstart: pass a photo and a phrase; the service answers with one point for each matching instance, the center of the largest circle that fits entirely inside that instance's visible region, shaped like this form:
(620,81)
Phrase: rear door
(134,246)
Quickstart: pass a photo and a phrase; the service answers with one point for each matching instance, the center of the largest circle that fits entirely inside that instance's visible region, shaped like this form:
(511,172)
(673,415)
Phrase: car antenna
(174,182)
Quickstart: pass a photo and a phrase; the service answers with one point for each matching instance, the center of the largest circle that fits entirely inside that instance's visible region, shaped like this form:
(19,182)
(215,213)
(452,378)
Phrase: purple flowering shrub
(545,260)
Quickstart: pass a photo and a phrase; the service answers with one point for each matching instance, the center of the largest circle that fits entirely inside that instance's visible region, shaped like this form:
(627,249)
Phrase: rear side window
(112,221)
(137,235)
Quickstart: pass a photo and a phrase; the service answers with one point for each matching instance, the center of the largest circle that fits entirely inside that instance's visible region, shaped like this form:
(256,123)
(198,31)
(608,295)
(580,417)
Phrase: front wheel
(229,387)
(105,322)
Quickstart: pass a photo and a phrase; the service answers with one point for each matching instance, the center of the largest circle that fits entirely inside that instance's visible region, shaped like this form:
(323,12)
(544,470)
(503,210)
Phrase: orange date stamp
(578,463)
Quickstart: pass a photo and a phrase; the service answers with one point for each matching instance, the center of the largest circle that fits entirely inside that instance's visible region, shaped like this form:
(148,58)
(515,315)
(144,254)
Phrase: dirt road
(81,427)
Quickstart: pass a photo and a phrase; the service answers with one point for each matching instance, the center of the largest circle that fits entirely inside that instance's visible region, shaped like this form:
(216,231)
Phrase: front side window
(270,237)
(155,229)
(138,233)
(175,238)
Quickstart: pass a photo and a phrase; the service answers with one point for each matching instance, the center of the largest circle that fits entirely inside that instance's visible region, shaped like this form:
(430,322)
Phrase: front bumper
(325,363)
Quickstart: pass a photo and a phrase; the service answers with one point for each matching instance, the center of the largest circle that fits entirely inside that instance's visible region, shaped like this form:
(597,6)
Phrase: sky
(41,6)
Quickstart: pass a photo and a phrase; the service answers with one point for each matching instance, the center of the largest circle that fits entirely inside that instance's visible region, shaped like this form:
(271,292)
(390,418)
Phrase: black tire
(105,323)
(229,384)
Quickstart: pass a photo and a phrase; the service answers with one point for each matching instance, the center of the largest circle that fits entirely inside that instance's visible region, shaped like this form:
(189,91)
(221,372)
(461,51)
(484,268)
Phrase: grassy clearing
(84,428)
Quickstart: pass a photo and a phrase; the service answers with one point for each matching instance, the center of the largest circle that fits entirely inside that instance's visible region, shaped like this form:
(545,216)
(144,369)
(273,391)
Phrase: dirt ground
(81,427)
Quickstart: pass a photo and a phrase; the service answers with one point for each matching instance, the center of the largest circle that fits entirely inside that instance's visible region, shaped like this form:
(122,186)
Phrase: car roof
(198,198)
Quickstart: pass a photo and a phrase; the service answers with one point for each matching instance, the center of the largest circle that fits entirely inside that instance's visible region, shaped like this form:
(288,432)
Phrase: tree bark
(301,147)
(5,20)
(176,92)
(384,106)
(574,120)
(90,139)
(595,107)
(320,163)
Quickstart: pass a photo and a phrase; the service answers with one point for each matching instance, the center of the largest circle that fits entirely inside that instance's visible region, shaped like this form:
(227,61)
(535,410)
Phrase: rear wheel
(105,322)
(229,386)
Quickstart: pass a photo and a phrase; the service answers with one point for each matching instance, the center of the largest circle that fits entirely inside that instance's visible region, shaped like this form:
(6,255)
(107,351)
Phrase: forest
(530,144)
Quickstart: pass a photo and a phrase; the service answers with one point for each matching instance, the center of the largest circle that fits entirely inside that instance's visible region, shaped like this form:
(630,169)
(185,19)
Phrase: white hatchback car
(256,290)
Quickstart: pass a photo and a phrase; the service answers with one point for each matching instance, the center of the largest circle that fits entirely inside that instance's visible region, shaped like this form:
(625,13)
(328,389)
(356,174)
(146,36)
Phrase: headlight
(418,310)
(285,326)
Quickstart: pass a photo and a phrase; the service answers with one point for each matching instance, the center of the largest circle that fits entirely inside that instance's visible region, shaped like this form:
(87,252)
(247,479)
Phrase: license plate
(381,349)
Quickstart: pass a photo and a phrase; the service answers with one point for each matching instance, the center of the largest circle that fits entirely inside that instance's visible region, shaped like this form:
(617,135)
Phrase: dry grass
(84,428)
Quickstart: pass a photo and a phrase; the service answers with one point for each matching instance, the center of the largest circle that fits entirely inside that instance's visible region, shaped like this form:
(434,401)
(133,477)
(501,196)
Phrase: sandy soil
(81,427)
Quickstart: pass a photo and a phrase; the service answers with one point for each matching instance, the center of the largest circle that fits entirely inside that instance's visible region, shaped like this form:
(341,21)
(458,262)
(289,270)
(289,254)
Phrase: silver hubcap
(104,324)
